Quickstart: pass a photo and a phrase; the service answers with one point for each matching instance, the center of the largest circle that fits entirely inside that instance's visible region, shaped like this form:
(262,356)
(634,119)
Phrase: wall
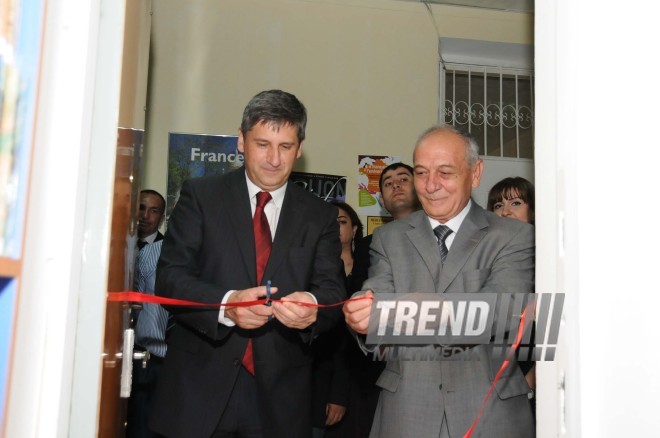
(596,241)
(367,70)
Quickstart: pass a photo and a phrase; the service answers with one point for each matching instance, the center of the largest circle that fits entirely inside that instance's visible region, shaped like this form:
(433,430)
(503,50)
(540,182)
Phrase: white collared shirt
(454,223)
(150,238)
(272,209)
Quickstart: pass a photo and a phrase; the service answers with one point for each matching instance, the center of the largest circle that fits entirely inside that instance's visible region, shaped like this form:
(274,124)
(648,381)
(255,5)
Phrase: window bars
(496,105)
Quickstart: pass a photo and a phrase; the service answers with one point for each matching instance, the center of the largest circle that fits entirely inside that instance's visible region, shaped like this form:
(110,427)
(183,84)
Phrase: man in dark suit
(475,251)
(246,371)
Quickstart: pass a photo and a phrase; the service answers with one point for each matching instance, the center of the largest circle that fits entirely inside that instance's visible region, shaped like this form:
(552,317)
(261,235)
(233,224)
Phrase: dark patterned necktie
(442,232)
(262,244)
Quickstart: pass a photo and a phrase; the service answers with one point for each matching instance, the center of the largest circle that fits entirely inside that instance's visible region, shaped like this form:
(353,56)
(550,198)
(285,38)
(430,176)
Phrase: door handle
(128,352)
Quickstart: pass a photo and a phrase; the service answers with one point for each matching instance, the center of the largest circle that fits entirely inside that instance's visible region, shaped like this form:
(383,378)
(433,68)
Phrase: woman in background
(350,233)
(331,375)
(514,198)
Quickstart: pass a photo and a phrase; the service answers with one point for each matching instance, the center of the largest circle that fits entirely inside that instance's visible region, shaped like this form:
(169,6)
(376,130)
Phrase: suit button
(440,387)
(237,362)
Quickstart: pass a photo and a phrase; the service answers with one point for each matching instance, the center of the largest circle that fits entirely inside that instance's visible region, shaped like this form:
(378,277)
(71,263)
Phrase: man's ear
(476,173)
(241,144)
(299,154)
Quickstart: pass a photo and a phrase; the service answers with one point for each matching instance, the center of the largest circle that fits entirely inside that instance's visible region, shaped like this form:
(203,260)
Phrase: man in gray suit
(482,253)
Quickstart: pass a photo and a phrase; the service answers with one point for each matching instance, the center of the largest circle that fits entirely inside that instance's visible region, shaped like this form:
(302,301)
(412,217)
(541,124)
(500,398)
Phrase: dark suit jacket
(209,250)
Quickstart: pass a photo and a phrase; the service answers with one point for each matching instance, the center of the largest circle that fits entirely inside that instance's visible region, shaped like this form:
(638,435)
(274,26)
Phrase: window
(496,105)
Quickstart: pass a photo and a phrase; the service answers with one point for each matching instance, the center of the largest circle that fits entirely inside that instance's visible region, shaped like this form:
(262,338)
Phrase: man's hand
(334,413)
(294,315)
(251,317)
(357,313)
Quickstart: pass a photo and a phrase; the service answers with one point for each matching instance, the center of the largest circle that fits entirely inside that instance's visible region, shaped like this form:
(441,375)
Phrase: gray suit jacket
(489,254)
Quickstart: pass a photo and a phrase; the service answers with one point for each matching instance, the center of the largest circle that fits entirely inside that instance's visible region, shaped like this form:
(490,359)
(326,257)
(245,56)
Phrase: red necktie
(262,244)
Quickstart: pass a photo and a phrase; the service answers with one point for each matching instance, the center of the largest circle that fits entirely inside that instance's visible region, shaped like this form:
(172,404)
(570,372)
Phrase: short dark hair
(510,188)
(277,107)
(355,219)
(393,166)
(155,193)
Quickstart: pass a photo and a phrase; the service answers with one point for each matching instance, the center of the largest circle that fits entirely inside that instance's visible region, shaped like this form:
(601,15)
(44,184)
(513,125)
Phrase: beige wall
(367,70)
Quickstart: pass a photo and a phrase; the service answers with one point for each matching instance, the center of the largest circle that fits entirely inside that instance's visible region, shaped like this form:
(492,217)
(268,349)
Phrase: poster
(326,187)
(20,49)
(369,170)
(195,155)
(21,39)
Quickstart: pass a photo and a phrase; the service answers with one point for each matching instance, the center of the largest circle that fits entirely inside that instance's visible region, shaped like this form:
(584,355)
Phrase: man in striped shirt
(152,319)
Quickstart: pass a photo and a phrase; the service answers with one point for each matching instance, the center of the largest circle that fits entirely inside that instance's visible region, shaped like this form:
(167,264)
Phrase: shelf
(9,267)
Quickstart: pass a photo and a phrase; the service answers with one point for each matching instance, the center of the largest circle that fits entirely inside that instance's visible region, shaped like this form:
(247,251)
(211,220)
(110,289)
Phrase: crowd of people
(295,367)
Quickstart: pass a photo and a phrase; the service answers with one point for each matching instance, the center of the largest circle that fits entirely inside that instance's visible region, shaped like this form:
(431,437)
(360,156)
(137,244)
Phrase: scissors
(268,303)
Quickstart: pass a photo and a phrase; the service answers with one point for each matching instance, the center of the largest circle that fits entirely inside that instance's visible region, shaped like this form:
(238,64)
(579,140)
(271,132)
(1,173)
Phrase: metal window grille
(496,105)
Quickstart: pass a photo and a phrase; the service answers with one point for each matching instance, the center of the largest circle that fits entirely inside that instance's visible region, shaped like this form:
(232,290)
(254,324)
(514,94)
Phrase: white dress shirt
(454,223)
(272,210)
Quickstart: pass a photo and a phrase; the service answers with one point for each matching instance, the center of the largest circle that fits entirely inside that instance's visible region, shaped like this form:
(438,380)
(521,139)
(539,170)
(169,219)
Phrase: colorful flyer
(369,170)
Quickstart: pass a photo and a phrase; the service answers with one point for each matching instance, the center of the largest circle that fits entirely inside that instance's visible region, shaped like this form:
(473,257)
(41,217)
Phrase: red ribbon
(503,367)
(139,297)
(147,298)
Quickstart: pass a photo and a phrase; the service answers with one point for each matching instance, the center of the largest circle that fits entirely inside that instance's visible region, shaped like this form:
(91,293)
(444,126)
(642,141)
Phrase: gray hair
(471,146)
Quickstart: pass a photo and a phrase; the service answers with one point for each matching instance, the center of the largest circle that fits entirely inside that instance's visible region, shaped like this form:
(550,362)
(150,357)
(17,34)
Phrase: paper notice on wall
(369,170)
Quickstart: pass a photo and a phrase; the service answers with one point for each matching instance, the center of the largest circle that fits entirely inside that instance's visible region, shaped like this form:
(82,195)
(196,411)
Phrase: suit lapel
(423,239)
(289,223)
(473,229)
(240,214)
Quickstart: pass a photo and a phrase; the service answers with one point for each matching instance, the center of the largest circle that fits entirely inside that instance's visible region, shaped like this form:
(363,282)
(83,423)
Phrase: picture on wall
(326,187)
(21,38)
(374,222)
(195,155)
(369,170)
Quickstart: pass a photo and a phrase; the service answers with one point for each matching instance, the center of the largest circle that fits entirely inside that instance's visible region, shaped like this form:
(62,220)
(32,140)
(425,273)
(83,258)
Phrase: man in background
(152,214)
(151,323)
(451,246)
(400,200)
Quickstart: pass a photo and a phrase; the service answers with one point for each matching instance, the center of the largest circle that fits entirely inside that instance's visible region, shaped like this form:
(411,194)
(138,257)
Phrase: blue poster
(195,155)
